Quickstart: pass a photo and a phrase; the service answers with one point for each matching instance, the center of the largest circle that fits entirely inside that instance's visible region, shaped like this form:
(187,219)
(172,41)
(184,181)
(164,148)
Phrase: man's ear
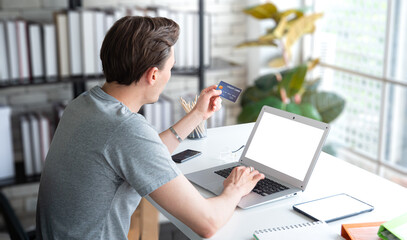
(152,75)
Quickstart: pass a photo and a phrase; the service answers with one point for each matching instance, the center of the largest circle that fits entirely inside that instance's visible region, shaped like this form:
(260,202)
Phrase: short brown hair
(135,44)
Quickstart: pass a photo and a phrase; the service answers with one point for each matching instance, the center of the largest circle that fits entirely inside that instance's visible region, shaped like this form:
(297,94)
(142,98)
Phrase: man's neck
(128,95)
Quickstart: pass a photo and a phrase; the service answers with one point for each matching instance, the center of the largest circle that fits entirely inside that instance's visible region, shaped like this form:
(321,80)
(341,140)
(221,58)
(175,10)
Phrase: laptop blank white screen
(284,145)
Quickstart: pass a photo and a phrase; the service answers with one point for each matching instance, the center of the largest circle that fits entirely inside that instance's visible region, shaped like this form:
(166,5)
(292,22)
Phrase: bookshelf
(78,82)
(79,85)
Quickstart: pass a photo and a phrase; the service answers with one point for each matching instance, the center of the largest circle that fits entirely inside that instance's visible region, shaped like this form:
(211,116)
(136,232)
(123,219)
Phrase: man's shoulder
(136,126)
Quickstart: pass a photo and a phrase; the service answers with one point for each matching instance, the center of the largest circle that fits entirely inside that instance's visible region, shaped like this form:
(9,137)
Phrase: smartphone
(185,155)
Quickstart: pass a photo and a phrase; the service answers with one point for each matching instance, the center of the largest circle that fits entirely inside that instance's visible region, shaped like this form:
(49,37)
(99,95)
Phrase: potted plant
(287,89)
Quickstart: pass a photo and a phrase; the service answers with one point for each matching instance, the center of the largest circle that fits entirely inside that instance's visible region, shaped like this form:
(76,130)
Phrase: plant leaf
(288,12)
(253,94)
(329,105)
(251,111)
(299,27)
(280,29)
(293,79)
(277,63)
(308,110)
(312,64)
(267,82)
(257,43)
(293,108)
(263,11)
(312,85)
(267,37)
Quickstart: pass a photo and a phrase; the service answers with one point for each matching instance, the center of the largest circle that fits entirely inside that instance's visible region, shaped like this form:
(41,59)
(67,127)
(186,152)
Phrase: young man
(105,157)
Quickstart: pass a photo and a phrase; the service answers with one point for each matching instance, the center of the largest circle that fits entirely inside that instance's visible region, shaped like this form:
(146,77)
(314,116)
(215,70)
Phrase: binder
(6,144)
(35,47)
(61,30)
(35,142)
(11,39)
(4,73)
(27,150)
(22,49)
(50,50)
(304,231)
(99,36)
(75,50)
(88,41)
(394,229)
(361,231)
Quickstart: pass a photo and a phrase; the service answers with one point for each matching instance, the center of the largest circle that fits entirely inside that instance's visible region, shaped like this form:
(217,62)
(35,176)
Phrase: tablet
(333,208)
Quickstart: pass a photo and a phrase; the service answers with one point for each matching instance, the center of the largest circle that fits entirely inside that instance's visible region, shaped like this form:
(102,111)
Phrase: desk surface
(331,176)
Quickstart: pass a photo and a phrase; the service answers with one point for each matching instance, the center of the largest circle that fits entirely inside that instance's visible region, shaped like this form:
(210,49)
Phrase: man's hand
(242,180)
(208,102)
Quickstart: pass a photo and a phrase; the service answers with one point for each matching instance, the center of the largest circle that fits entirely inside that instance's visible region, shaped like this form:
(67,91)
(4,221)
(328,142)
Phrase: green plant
(288,89)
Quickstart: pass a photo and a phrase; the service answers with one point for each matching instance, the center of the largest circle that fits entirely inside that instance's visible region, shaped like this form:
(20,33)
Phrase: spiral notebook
(309,230)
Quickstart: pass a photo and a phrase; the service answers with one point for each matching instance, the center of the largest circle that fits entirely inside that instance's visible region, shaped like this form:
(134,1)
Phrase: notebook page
(304,231)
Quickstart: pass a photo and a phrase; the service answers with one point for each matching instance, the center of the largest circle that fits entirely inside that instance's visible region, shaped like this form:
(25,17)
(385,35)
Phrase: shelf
(20,177)
(44,81)
(216,64)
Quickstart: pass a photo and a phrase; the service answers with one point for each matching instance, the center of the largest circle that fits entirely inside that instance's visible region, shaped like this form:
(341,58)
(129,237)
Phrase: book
(119,13)
(148,112)
(4,75)
(135,12)
(309,230)
(109,21)
(163,12)
(26,141)
(35,141)
(45,135)
(50,50)
(22,49)
(6,144)
(75,52)
(157,115)
(195,41)
(35,43)
(189,39)
(207,40)
(99,36)
(394,229)
(61,29)
(150,13)
(179,17)
(361,231)
(217,119)
(167,116)
(11,32)
(88,41)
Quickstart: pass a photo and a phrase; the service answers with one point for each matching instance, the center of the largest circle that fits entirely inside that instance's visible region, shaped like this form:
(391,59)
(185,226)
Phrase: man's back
(97,170)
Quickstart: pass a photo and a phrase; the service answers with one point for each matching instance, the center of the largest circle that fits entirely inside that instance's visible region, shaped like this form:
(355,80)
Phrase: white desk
(331,176)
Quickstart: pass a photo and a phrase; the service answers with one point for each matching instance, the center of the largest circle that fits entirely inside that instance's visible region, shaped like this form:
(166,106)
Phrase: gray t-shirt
(102,160)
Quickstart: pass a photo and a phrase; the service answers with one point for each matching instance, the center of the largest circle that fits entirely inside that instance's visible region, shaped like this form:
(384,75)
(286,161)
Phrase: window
(362,46)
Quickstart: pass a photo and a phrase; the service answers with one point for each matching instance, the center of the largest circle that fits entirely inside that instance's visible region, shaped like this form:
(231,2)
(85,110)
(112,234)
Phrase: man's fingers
(254,173)
(208,89)
(258,177)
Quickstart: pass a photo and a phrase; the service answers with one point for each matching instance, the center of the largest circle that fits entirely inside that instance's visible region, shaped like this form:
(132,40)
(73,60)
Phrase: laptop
(283,146)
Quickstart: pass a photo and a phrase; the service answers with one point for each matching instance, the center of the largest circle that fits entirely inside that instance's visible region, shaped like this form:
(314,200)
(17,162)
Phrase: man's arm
(205,216)
(208,103)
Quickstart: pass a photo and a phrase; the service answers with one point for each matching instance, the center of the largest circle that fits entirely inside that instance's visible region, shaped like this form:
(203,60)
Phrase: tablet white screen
(334,207)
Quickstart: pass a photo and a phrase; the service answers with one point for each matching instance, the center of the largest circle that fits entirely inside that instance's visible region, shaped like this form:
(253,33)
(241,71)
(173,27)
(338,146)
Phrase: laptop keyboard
(264,187)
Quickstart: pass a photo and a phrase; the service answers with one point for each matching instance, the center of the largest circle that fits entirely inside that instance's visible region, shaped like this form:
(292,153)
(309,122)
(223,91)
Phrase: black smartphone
(185,155)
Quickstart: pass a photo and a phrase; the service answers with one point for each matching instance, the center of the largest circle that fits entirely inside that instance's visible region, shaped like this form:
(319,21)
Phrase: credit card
(229,92)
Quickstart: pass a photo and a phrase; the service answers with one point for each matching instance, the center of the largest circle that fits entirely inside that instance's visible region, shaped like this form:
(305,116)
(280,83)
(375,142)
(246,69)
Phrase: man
(105,157)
